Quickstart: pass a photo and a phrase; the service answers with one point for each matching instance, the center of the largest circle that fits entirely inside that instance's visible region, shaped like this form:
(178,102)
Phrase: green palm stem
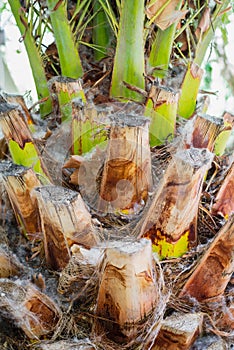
(161,107)
(161,49)
(68,53)
(34,57)
(101,33)
(191,82)
(129,56)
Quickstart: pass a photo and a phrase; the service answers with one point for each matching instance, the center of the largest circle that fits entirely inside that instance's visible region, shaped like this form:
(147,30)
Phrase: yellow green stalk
(161,107)
(129,56)
(189,90)
(191,83)
(68,53)
(161,49)
(34,57)
(88,128)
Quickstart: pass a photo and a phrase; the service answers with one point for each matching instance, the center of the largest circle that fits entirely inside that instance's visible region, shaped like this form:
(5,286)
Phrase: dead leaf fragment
(166,17)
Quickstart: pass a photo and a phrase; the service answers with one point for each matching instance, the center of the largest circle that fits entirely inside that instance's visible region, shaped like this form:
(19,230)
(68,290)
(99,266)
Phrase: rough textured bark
(128,288)
(215,269)
(202,131)
(34,312)
(126,177)
(19,182)
(65,221)
(20,141)
(224,201)
(178,332)
(171,221)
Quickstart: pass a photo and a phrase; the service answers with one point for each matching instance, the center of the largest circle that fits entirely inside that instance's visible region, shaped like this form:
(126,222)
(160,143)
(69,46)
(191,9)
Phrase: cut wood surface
(178,332)
(128,288)
(19,182)
(215,268)
(19,99)
(171,221)
(65,221)
(201,131)
(126,178)
(34,312)
(224,201)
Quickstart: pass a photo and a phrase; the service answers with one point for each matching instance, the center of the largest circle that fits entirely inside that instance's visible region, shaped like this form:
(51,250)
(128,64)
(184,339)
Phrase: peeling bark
(215,269)
(224,201)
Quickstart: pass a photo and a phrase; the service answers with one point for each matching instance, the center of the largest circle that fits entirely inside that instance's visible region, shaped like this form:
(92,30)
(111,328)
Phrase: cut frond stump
(19,182)
(88,127)
(202,131)
(178,332)
(32,311)
(171,221)
(161,107)
(18,99)
(215,269)
(20,141)
(126,178)
(224,201)
(63,90)
(65,221)
(128,289)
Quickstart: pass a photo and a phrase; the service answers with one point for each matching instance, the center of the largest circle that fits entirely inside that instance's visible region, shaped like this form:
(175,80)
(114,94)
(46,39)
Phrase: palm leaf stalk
(192,79)
(68,53)
(129,56)
(34,57)
(101,32)
(161,49)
